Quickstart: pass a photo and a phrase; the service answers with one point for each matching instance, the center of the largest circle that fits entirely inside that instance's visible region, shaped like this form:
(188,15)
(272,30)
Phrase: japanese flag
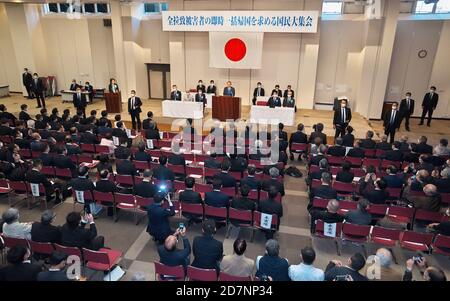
(235,50)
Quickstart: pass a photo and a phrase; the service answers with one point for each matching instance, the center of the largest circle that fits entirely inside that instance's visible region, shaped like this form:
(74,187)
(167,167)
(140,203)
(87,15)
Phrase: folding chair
(427,217)
(87,148)
(319,203)
(192,209)
(346,206)
(174,272)
(45,248)
(5,189)
(49,171)
(37,192)
(203,188)
(416,241)
(142,205)
(333,160)
(356,234)
(239,218)
(141,165)
(19,188)
(227,277)
(355,162)
(64,173)
(229,191)
(102,260)
(125,181)
(257,223)
(125,202)
(321,233)
(441,245)
(220,215)
(401,215)
(105,199)
(197,274)
(179,185)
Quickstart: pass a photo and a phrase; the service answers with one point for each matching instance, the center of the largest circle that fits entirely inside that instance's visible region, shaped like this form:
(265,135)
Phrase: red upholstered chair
(356,234)
(320,233)
(384,236)
(41,247)
(227,277)
(441,245)
(240,218)
(125,202)
(196,274)
(416,241)
(175,273)
(101,260)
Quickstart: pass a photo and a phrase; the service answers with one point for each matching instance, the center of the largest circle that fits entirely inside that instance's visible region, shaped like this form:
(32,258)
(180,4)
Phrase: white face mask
(343,105)
(408,97)
(394,108)
(289,95)
(174,89)
(132,95)
(211,84)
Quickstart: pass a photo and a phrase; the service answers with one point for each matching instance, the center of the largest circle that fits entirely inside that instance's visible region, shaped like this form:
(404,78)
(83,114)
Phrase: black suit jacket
(53,276)
(393,155)
(279,92)
(345,176)
(88,138)
(37,87)
(45,233)
(191,197)
(387,120)
(79,102)
(289,103)
(422,148)
(404,110)
(430,102)
(110,88)
(24,116)
(152,134)
(73,86)
(126,167)
(273,182)
(227,180)
(200,98)
(207,252)
(324,192)
(337,118)
(122,152)
(216,199)
(20,272)
(201,87)
(175,159)
(175,257)
(321,135)
(251,182)
(142,156)
(270,206)
(274,102)
(337,151)
(298,137)
(163,173)
(79,237)
(261,92)
(175,95)
(368,143)
(27,78)
(47,159)
(211,89)
(35,177)
(145,189)
(82,184)
(356,152)
(285,93)
(137,104)
(384,146)
(105,186)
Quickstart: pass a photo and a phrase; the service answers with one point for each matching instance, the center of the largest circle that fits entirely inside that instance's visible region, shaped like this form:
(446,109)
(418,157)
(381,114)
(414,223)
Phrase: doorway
(158,80)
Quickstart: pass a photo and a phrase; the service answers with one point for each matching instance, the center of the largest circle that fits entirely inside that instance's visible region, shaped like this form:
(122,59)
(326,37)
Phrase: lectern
(113,102)
(226,107)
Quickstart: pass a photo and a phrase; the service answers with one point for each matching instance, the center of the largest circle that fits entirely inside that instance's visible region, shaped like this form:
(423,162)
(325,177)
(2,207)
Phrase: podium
(226,107)
(113,102)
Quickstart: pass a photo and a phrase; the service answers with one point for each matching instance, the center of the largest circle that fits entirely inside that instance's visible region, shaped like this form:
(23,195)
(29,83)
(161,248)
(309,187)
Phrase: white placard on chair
(35,189)
(128,132)
(329,230)
(150,144)
(80,196)
(161,135)
(116,141)
(266,221)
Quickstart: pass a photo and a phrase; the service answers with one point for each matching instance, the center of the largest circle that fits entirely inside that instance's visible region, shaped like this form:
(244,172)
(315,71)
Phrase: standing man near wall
(406,109)
(79,101)
(391,122)
(37,86)
(429,104)
(134,108)
(27,80)
(341,119)
(229,90)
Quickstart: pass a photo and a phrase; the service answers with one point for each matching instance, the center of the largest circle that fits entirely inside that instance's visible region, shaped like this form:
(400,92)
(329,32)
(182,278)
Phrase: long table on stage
(267,115)
(182,109)
(67,95)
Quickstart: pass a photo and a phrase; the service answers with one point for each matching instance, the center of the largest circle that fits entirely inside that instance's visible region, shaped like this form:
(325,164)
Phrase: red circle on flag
(235,49)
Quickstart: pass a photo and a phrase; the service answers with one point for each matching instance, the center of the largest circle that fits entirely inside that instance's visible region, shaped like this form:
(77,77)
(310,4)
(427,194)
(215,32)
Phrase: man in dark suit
(201,87)
(360,216)
(90,89)
(113,87)
(35,176)
(250,180)
(356,151)
(368,142)
(337,271)
(391,122)
(189,196)
(169,254)
(227,180)
(158,218)
(104,184)
(176,158)
(277,91)
(126,167)
(121,134)
(429,104)
(273,181)
(243,202)
(348,139)
(216,198)
(375,193)
(57,271)
(152,132)
(175,94)
(337,150)
(286,92)
(271,206)
(73,85)
(318,128)
(20,267)
(75,234)
(297,137)
(274,101)
(383,144)
(89,137)
(45,231)
(345,175)
(23,115)
(259,91)
(200,97)
(46,157)
(341,119)
(324,191)
(330,215)
(395,154)
(229,90)
(289,101)
(207,251)
(79,101)
(406,109)
(238,163)
(212,89)
(163,173)
(27,79)
(134,108)
(146,188)
(392,179)
(422,147)
(37,86)
(212,162)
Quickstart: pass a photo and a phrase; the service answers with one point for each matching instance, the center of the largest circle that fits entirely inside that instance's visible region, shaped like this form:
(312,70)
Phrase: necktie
(408,104)
(343,115)
(132,103)
(392,117)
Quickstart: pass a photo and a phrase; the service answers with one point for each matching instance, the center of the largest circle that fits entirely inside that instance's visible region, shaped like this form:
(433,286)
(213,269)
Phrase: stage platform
(439,129)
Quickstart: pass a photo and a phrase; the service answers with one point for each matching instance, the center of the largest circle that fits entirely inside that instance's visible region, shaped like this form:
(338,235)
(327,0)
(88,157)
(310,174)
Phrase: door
(158,80)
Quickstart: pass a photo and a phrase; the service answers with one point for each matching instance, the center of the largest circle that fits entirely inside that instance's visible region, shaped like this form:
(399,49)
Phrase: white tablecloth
(182,109)
(266,115)
(67,95)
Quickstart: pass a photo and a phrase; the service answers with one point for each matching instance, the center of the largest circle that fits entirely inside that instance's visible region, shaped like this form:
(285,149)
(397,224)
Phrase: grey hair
(445,173)
(323,163)
(384,256)
(11,215)
(274,172)
(272,247)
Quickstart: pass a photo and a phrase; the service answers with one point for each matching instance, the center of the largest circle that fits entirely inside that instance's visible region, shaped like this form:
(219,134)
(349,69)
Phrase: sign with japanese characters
(241,21)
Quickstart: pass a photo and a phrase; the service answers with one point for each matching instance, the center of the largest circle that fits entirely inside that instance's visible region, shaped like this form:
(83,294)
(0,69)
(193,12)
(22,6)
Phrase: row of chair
(361,234)
(101,260)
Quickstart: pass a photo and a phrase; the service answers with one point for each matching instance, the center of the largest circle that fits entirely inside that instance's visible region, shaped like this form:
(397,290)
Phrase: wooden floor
(439,129)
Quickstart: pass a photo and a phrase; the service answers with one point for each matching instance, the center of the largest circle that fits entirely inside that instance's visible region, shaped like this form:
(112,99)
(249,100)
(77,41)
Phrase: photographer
(168,252)
(429,273)
(158,217)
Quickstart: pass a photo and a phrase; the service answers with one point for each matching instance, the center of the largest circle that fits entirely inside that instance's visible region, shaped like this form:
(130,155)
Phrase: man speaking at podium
(228,90)
(113,87)
(134,108)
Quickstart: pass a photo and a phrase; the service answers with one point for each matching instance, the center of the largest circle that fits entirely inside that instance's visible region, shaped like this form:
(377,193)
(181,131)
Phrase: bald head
(333,206)
(430,190)
(385,257)
(170,243)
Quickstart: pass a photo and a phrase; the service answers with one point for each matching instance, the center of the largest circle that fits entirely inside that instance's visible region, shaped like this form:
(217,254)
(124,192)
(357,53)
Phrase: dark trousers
(29,91)
(254,101)
(40,98)
(406,118)
(430,115)
(135,119)
(390,132)
(340,130)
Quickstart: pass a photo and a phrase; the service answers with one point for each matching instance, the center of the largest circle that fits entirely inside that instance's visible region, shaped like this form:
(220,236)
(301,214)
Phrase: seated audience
(207,250)
(360,216)
(12,227)
(368,142)
(271,266)
(274,181)
(337,271)
(345,175)
(357,151)
(227,179)
(330,215)
(75,234)
(56,271)
(216,198)
(429,273)
(161,172)
(170,255)
(430,201)
(442,148)
(238,264)
(250,180)
(392,179)
(45,231)
(384,144)
(375,193)
(305,271)
(348,140)
(337,150)
(19,266)
(324,191)
(242,202)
